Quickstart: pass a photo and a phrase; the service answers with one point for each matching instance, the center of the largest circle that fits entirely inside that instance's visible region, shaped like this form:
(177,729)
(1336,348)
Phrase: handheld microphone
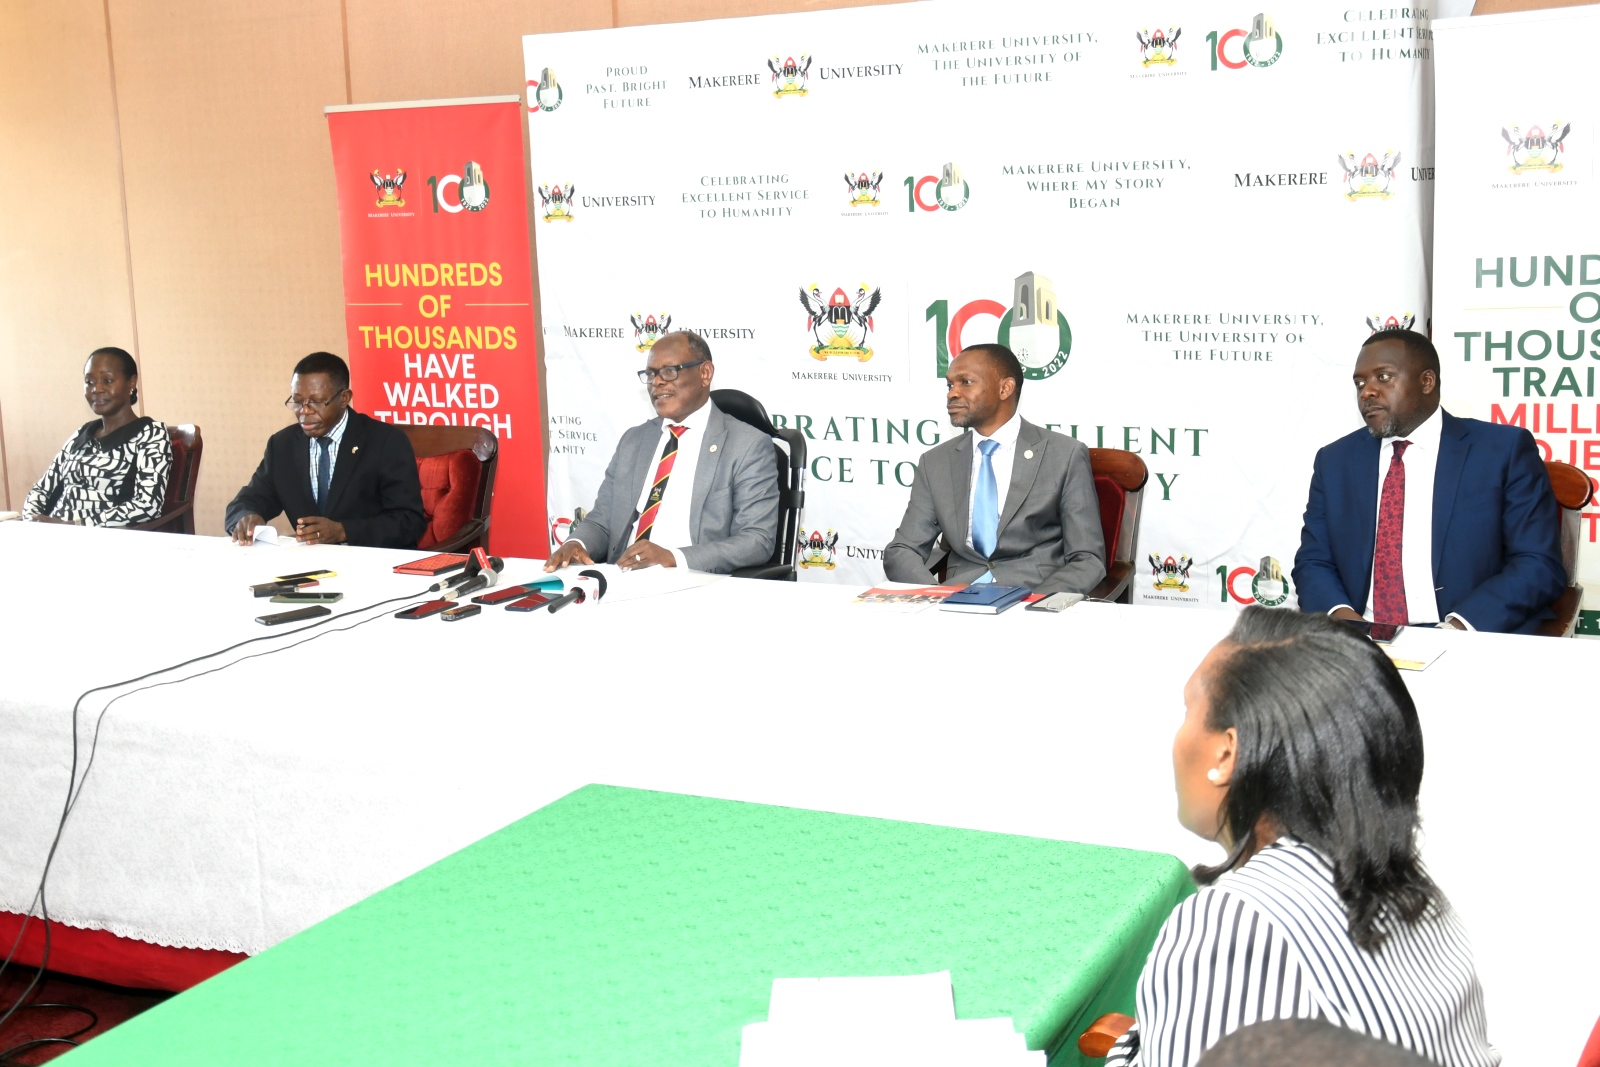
(589,585)
(478,563)
(484,579)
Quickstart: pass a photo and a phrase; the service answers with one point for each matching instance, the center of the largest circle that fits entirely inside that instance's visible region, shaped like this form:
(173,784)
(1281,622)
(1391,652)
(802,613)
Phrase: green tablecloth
(618,926)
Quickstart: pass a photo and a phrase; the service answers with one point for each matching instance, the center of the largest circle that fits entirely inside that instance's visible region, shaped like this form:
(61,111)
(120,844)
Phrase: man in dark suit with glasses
(689,488)
(340,476)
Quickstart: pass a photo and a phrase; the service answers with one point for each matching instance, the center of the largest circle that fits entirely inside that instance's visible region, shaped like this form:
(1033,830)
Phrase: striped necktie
(658,488)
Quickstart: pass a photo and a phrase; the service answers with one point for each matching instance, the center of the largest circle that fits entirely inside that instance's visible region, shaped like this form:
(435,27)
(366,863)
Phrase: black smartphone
(529,603)
(303,575)
(461,611)
(422,611)
(293,616)
(297,597)
(274,588)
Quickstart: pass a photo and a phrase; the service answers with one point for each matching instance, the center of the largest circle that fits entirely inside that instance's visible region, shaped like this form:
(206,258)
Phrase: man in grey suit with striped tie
(691,488)
(1015,502)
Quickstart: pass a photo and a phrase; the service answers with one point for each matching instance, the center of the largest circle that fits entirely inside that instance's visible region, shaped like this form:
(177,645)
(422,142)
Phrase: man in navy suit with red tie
(1443,520)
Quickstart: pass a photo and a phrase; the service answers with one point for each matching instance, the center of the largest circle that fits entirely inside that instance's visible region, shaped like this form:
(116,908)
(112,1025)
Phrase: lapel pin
(357,448)
(713,448)
(1028,454)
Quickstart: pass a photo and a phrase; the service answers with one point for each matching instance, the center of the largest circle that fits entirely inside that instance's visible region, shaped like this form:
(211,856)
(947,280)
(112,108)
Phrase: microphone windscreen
(600,581)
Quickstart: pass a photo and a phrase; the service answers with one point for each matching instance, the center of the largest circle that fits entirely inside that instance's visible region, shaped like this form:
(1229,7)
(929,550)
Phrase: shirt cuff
(1346,607)
(677,555)
(575,541)
(1465,625)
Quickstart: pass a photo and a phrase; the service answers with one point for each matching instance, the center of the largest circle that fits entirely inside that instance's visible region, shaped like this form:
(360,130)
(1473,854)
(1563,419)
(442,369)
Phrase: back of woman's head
(1330,749)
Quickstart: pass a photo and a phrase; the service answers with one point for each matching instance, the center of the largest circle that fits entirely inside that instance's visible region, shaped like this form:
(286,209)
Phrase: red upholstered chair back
(1119,480)
(456,466)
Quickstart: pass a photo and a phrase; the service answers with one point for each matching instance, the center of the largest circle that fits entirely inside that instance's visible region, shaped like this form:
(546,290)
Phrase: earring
(1213,774)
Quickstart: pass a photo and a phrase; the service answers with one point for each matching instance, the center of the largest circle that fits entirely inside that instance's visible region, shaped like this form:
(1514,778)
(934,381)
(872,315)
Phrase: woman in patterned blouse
(113,471)
(1301,754)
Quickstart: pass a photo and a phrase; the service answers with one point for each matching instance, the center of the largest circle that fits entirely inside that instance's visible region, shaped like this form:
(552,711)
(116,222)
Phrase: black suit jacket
(375,492)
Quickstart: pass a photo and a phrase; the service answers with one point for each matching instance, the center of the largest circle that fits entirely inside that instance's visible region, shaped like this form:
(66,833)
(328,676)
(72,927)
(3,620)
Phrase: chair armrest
(1096,1041)
(1566,612)
(772,572)
(164,520)
(1117,583)
(472,532)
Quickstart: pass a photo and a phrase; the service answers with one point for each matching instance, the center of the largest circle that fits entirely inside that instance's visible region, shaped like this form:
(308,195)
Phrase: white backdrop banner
(1517,273)
(1183,217)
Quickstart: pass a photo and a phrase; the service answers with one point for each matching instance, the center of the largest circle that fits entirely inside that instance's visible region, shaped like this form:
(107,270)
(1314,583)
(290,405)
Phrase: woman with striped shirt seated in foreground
(1301,754)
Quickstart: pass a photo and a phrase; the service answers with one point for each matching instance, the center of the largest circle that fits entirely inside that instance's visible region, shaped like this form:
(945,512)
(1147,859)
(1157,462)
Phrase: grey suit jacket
(733,514)
(1050,537)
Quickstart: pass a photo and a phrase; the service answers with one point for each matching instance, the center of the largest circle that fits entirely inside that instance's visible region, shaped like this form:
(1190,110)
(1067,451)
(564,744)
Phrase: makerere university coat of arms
(1171,575)
(818,551)
(840,325)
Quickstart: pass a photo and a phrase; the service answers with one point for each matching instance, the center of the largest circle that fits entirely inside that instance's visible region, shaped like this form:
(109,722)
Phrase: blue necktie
(324,469)
(986,507)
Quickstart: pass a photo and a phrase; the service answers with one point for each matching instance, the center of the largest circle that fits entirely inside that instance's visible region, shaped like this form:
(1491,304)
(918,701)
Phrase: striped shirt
(335,436)
(1270,941)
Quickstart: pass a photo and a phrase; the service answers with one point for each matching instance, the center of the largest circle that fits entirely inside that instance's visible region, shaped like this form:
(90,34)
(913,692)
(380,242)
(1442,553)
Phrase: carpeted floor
(109,1004)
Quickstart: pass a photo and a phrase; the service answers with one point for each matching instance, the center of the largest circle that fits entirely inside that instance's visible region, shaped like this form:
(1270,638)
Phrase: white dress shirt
(1003,459)
(671,529)
(1421,459)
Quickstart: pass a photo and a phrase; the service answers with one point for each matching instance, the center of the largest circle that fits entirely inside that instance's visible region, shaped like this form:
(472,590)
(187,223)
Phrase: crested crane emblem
(556,202)
(817,550)
(864,188)
(1536,150)
(1371,177)
(840,324)
(789,76)
(389,188)
(1376,323)
(648,329)
(1160,48)
(1171,575)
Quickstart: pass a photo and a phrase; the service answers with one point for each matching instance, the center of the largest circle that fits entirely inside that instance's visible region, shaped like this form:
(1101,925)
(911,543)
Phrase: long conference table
(233,809)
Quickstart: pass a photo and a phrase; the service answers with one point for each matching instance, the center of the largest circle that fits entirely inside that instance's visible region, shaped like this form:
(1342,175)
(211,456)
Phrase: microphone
(484,579)
(588,585)
(476,564)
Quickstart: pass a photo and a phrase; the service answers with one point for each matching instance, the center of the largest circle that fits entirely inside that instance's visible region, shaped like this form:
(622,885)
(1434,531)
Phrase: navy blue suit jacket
(1496,538)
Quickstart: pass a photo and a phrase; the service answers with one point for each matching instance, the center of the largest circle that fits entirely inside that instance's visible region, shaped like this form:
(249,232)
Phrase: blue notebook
(990,598)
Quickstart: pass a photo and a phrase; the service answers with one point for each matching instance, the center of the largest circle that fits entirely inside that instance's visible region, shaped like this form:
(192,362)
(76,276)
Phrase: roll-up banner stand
(1516,271)
(438,288)
(1184,218)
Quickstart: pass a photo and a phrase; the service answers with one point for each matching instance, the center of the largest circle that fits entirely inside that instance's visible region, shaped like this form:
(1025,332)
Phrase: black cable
(75,785)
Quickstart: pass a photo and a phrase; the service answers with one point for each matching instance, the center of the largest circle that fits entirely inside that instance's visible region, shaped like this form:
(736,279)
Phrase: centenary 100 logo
(840,325)
(1371,178)
(950,191)
(472,190)
(545,94)
(1032,327)
(1536,150)
(1268,586)
(1262,38)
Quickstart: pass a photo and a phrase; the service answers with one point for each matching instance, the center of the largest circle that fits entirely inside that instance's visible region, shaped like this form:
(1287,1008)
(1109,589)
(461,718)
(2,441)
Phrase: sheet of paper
(265,535)
(900,1000)
(1416,648)
(624,585)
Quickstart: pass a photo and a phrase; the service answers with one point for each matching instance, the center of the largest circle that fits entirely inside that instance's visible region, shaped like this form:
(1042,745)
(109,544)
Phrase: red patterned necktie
(658,488)
(1388,569)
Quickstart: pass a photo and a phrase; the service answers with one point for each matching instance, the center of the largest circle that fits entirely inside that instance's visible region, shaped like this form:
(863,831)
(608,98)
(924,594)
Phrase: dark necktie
(658,488)
(324,469)
(1388,557)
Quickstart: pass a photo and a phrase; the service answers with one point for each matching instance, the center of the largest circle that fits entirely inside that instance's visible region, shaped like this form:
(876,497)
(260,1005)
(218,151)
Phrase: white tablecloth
(236,809)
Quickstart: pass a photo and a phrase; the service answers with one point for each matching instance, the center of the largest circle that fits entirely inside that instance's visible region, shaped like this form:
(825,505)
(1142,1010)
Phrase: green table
(618,926)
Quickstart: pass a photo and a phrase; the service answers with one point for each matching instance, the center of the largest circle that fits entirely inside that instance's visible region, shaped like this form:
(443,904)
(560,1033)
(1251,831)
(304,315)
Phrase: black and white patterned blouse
(116,480)
(1269,940)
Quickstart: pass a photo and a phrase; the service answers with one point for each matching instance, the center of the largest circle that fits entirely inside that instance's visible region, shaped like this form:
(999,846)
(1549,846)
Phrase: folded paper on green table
(619,926)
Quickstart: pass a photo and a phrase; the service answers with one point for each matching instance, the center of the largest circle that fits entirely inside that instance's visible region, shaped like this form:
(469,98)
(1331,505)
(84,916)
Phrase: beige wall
(230,267)
(205,117)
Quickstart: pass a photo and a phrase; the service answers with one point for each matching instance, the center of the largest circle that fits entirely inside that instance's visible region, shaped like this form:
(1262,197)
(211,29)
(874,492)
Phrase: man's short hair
(1305,1043)
(1418,347)
(326,363)
(698,349)
(1003,360)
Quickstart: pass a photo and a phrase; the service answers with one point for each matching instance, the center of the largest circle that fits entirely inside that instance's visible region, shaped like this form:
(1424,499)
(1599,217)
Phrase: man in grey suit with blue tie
(690,488)
(1015,502)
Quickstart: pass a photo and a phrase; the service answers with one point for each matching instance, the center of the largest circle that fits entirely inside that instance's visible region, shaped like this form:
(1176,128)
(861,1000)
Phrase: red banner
(433,223)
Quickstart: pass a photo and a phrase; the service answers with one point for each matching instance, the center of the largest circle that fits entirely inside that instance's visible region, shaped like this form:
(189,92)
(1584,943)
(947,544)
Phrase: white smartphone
(1056,602)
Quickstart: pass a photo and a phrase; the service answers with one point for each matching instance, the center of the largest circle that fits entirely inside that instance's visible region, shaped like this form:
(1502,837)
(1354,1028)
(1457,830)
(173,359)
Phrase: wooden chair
(177,511)
(456,465)
(1119,481)
(1574,492)
(1096,1041)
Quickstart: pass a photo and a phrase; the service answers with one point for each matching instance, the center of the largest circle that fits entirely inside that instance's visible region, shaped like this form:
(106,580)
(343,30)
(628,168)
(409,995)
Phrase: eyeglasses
(669,373)
(297,406)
